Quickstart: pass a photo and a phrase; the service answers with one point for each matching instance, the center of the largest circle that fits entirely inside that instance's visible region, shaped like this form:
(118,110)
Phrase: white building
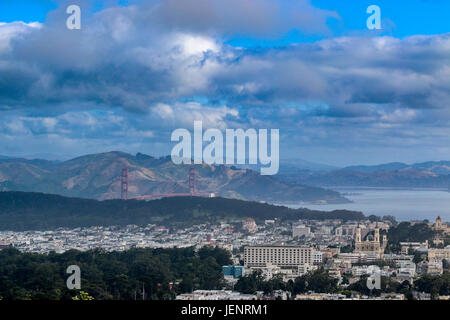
(281,256)
(300,231)
(317,257)
(216,295)
(249,225)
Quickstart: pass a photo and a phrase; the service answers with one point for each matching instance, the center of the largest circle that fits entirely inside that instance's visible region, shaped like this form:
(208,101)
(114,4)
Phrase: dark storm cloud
(122,59)
(129,76)
(250,18)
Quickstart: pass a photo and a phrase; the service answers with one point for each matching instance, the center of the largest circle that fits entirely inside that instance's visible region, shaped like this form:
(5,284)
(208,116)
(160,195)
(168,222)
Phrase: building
(268,272)
(249,225)
(281,256)
(434,268)
(441,226)
(324,230)
(413,246)
(4,246)
(370,246)
(397,258)
(320,296)
(216,295)
(233,271)
(317,257)
(439,254)
(406,271)
(353,257)
(330,252)
(362,270)
(300,231)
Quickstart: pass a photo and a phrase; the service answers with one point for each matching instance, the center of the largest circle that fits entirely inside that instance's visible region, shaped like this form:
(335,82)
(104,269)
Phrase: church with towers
(373,246)
(440,226)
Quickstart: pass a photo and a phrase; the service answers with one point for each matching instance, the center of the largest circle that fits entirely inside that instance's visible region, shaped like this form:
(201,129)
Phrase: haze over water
(404,205)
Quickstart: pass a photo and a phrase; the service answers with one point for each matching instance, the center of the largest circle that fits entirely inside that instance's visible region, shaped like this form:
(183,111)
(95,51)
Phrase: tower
(358,235)
(124,184)
(376,237)
(438,224)
(192,181)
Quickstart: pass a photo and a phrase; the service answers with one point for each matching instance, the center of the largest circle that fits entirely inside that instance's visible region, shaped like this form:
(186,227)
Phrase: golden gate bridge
(192,178)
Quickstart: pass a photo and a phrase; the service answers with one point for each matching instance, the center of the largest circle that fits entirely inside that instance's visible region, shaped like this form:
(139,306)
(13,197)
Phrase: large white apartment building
(300,231)
(280,256)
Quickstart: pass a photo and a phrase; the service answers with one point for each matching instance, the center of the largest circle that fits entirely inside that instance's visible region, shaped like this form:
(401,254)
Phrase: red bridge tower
(124,184)
(192,181)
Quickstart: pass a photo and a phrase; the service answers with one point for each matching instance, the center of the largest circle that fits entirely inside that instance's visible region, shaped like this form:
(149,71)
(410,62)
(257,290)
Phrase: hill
(432,174)
(38,211)
(290,166)
(433,167)
(96,176)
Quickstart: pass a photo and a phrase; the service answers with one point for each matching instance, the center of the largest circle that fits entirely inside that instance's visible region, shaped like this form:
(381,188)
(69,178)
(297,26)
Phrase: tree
(347,249)
(435,285)
(111,275)
(82,295)
(251,283)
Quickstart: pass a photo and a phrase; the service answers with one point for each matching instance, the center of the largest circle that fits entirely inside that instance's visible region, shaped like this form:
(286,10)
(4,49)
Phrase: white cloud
(129,72)
(14,30)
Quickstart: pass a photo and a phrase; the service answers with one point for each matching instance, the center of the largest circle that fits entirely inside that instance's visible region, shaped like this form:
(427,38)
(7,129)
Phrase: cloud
(14,31)
(184,114)
(246,18)
(132,74)
(139,55)
(348,74)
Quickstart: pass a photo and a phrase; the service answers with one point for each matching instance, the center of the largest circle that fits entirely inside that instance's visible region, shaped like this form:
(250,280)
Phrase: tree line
(37,211)
(125,275)
(319,281)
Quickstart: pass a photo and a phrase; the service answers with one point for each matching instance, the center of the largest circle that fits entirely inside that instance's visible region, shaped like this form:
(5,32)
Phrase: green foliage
(250,283)
(255,282)
(407,232)
(317,281)
(347,249)
(390,218)
(446,265)
(36,211)
(435,285)
(82,295)
(374,218)
(387,286)
(419,257)
(162,273)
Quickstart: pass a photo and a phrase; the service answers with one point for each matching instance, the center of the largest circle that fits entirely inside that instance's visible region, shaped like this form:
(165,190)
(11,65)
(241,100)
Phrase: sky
(340,94)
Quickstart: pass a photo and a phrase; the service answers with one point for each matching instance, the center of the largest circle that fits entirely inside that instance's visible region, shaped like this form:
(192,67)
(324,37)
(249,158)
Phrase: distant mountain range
(431,174)
(97,176)
(436,167)
(292,166)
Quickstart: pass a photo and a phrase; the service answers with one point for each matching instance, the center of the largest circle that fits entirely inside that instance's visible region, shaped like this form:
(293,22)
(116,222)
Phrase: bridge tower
(192,181)
(124,184)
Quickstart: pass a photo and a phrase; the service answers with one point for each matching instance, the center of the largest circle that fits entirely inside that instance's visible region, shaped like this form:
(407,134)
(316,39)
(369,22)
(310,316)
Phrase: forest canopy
(37,211)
